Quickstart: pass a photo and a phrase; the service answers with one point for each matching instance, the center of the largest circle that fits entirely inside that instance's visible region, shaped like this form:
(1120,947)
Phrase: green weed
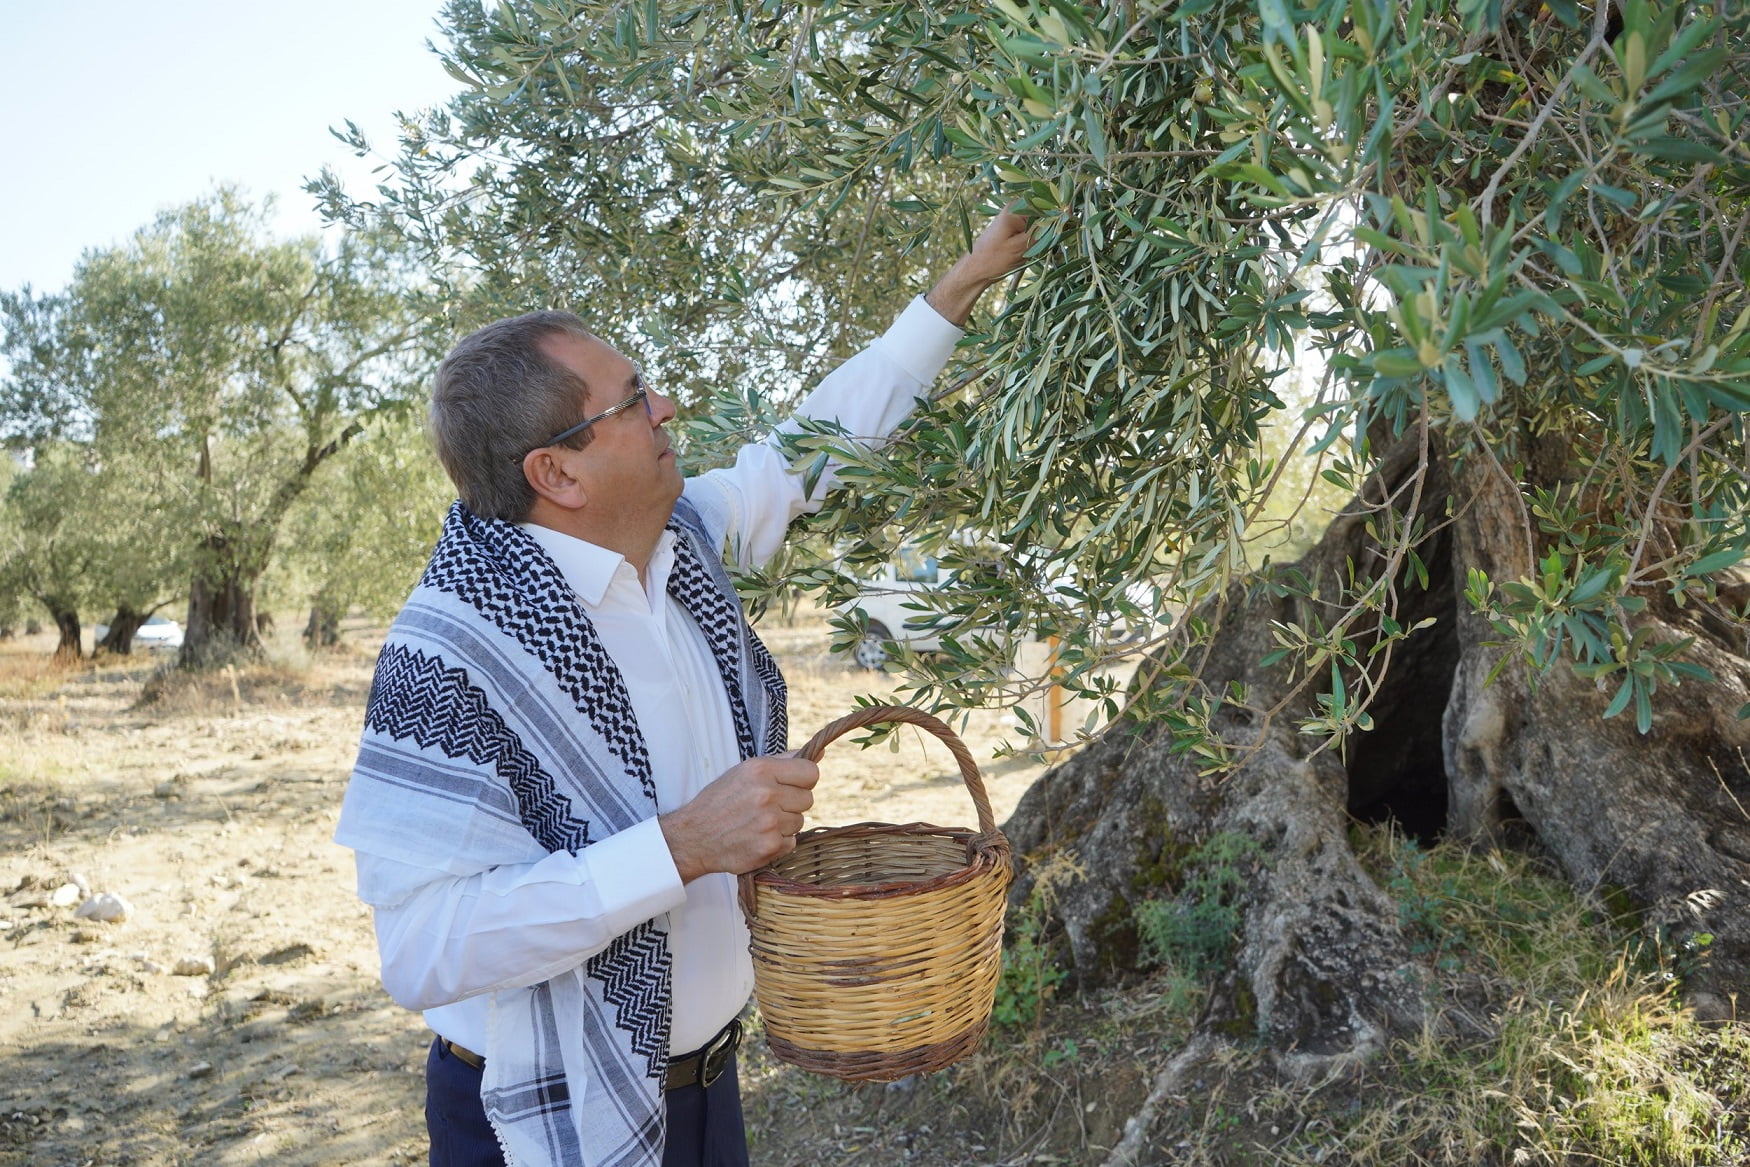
(1030,973)
(1192,933)
(1580,1051)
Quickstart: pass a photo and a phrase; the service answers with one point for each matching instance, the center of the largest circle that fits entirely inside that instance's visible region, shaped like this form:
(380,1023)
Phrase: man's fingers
(796,772)
(794,799)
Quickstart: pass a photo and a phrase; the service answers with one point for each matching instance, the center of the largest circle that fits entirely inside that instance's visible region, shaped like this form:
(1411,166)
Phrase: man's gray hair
(498,396)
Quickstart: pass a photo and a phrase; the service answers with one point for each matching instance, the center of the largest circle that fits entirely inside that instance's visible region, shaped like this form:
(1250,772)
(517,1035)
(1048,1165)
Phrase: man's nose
(660,408)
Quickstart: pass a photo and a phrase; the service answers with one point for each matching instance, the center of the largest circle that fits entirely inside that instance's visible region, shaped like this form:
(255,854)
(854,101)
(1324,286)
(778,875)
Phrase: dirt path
(234,1017)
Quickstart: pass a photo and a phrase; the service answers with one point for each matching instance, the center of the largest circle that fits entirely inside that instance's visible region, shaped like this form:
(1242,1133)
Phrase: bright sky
(112,111)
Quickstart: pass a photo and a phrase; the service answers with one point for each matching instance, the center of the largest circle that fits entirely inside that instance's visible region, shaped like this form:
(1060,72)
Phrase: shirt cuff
(634,876)
(921,341)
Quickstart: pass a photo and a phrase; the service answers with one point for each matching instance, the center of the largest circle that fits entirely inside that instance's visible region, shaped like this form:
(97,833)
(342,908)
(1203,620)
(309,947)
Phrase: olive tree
(49,553)
(226,368)
(1504,240)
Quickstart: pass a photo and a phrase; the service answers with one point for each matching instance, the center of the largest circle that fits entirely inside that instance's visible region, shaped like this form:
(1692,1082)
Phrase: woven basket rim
(988,852)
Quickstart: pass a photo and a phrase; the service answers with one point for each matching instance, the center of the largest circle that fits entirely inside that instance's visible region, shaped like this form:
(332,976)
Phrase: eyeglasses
(642,397)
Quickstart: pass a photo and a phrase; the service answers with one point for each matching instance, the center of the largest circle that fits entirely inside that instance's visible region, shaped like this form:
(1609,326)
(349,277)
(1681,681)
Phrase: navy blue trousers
(704,1125)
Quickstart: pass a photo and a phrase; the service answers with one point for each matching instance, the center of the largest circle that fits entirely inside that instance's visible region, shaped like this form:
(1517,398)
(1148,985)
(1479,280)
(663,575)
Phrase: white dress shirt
(453,938)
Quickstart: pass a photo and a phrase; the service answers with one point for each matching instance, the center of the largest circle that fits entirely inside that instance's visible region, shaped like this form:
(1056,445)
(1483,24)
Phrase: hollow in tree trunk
(1321,971)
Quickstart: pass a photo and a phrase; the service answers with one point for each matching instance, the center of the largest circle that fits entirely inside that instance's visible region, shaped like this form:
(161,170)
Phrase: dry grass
(1558,1039)
(226,691)
(26,675)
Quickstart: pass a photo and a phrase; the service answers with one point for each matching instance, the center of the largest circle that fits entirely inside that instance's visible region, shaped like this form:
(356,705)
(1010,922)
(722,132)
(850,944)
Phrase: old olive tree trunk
(1321,971)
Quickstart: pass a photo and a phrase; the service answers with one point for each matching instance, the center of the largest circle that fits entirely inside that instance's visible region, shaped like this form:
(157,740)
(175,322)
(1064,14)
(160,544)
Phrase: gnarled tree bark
(1663,816)
(68,646)
(1321,970)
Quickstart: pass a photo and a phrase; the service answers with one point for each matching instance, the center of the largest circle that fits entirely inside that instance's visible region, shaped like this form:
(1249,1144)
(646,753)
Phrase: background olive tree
(204,373)
(1506,240)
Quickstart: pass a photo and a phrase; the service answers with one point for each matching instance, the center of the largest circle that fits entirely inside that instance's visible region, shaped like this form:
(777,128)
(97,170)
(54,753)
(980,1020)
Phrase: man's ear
(547,474)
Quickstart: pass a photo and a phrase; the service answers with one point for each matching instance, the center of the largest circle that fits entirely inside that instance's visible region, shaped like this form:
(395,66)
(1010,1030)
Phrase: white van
(881,603)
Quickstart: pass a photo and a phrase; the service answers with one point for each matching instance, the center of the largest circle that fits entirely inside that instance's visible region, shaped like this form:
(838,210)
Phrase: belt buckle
(714,1058)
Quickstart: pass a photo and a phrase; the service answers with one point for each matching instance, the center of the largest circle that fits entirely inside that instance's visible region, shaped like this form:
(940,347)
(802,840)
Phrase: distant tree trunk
(119,639)
(1321,971)
(66,618)
(323,628)
(222,621)
(221,608)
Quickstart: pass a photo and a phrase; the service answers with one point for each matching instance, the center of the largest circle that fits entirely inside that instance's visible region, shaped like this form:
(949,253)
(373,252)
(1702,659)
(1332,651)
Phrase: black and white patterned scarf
(499,729)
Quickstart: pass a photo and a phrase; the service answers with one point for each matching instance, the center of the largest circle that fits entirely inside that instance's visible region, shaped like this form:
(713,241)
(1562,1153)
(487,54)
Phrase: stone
(106,908)
(194,966)
(1711,1009)
(66,895)
(306,1010)
(200,1070)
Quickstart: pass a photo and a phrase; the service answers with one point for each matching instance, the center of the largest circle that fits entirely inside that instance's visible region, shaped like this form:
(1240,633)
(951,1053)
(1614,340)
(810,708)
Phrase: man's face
(628,465)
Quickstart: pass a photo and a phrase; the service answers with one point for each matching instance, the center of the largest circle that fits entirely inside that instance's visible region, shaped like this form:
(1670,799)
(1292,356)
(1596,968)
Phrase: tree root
(1138,1125)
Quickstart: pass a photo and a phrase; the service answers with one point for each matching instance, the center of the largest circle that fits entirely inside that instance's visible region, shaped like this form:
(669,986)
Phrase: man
(574,743)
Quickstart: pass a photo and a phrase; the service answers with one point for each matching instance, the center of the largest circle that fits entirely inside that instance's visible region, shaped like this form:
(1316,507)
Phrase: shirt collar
(590,568)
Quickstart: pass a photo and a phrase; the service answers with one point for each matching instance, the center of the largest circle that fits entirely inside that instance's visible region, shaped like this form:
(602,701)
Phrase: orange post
(1054,700)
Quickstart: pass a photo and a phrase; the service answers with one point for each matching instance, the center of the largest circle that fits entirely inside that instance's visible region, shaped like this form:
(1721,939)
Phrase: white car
(158,633)
(883,605)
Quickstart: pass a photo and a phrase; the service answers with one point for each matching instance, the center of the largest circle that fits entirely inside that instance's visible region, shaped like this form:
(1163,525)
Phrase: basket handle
(876,714)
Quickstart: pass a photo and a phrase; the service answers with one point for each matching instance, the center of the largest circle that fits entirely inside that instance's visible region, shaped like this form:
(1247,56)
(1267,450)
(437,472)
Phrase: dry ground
(210,810)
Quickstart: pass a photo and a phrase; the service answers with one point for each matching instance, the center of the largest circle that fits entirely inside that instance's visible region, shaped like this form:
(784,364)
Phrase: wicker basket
(876,948)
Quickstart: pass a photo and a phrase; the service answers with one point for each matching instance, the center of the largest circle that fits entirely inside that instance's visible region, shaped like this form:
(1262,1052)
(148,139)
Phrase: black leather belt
(701,1067)
(707,1063)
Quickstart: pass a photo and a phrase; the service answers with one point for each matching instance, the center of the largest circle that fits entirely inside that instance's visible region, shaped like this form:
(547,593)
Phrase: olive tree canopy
(209,371)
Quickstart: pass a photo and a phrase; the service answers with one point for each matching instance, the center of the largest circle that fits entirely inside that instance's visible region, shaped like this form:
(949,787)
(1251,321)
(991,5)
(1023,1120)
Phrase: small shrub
(1193,932)
(1030,973)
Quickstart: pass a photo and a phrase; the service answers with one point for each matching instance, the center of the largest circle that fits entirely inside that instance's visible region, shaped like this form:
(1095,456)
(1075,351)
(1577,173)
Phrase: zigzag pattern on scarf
(766,669)
(414,697)
(634,973)
(473,558)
